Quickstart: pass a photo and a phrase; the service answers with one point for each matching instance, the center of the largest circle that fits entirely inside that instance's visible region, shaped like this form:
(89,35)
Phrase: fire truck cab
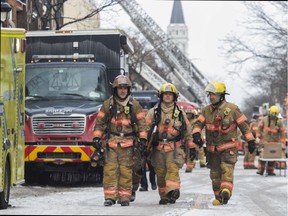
(68,77)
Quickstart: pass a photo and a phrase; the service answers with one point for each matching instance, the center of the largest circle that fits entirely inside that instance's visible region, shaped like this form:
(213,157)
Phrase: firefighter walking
(122,120)
(169,130)
(221,120)
(249,159)
(270,130)
(192,115)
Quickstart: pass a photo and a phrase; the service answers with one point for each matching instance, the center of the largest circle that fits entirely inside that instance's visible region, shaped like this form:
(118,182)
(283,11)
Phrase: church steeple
(177,13)
(177,30)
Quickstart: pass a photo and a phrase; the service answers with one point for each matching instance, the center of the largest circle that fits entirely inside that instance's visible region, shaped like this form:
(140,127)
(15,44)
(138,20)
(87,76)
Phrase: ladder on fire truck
(168,51)
(154,78)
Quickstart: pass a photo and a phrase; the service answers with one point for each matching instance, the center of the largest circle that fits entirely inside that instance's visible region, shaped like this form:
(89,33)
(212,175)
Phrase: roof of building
(177,13)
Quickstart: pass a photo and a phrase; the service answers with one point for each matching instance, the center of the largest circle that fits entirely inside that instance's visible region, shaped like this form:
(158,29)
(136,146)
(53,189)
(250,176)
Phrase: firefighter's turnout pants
(249,159)
(117,180)
(167,164)
(222,164)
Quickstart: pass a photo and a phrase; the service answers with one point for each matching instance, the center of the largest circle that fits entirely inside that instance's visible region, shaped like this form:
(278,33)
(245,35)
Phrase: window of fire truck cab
(66,81)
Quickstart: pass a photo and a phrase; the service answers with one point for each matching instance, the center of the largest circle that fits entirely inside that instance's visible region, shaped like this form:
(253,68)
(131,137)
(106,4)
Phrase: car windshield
(66,81)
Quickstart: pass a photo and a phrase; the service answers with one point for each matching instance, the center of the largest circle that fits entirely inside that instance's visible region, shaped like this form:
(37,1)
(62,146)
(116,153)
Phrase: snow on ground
(253,195)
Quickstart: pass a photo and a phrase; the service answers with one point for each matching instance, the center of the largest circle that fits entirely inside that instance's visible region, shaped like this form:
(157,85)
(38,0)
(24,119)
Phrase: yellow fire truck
(12,85)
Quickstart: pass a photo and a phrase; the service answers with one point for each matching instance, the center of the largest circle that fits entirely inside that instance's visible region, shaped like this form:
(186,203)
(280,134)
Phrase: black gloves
(251,146)
(192,154)
(96,143)
(197,139)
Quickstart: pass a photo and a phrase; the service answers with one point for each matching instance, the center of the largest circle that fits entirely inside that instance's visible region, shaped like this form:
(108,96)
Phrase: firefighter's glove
(197,139)
(97,158)
(251,146)
(142,145)
(192,154)
(96,143)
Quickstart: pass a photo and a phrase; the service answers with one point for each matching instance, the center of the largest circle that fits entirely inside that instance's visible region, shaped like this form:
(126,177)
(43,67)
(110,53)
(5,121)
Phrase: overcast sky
(208,22)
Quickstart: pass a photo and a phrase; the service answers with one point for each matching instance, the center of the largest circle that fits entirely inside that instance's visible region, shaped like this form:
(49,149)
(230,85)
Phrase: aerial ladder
(168,51)
(146,72)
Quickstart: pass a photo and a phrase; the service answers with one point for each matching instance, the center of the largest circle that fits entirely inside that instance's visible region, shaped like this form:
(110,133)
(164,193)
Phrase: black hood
(61,107)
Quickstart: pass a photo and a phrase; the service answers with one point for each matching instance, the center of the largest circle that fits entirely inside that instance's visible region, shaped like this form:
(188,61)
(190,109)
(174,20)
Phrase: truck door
(18,63)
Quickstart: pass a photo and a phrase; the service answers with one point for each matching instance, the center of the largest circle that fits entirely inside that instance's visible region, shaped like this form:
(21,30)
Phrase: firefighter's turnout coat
(121,123)
(270,130)
(168,156)
(221,122)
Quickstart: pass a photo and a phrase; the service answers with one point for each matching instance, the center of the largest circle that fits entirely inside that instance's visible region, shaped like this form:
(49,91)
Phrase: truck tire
(5,194)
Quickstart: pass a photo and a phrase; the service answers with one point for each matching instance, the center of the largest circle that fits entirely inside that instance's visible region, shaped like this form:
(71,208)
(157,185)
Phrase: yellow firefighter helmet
(216,87)
(168,87)
(273,110)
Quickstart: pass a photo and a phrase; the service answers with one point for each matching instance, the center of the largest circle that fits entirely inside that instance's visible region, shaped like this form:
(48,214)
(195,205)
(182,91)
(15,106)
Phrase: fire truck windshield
(59,80)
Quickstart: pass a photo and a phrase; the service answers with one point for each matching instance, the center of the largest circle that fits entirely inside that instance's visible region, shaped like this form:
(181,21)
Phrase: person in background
(147,167)
(281,164)
(152,177)
(170,130)
(270,130)
(192,115)
(139,172)
(221,120)
(122,120)
(249,159)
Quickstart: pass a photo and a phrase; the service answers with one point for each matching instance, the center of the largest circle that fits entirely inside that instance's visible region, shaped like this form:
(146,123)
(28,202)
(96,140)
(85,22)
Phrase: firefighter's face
(190,115)
(122,92)
(214,98)
(168,97)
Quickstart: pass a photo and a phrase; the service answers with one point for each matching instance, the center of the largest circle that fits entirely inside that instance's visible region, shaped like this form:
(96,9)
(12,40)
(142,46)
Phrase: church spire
(177,16)
(177,29)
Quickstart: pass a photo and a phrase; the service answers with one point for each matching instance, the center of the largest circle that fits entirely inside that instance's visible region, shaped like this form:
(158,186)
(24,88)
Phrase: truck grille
(74,124)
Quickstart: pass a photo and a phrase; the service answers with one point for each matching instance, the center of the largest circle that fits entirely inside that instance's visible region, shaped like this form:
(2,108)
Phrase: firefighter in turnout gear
(221,120)
(172,131)
(249,159)
(270,130)
(192,115)
(122,120)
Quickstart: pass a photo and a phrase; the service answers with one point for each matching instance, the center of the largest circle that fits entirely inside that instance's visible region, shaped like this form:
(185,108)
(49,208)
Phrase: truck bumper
(58,154)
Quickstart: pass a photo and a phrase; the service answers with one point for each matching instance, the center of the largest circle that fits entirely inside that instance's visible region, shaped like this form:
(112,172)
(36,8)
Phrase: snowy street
(252,195)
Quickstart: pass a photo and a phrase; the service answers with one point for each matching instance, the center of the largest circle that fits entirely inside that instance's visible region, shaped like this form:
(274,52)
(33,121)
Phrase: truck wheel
(5,194)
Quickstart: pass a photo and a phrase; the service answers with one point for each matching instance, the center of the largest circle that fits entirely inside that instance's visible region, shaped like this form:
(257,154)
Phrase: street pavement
(253,195)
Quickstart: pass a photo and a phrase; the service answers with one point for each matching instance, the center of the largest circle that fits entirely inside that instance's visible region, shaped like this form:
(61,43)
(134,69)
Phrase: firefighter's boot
(153,186)
(163,202)
(271,174)
(125,203)
(216,202)
(109,202)
(173,196)
(260,172)
(133,197)
(225,196)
